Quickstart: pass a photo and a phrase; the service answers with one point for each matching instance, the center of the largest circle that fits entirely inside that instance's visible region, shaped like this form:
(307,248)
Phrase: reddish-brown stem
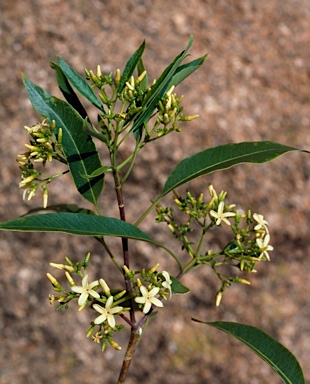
(133,341)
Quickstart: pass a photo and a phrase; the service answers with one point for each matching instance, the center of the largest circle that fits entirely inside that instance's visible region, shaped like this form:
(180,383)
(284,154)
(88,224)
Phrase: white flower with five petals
(86,290)
(220,215)
(261,223)
(264,246)
(107,313)
(148,298)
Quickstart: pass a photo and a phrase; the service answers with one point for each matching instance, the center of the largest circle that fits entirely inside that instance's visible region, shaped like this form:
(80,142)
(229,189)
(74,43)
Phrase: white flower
(261,222)
(107,313)
(264,247)
(220,215)
(148,298)
(167,284)
(86,290)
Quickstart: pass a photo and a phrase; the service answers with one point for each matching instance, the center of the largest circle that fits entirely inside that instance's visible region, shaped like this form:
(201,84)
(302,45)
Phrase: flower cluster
(132,96)
(250,242)
(44,146)
(106,301)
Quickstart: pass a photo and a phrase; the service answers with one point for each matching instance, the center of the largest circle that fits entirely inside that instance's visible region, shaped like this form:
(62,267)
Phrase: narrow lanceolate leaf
(67,90)
(223,157)
(78,147)
(281,360)
(76,224)
(79,83)
(130,67)
(186,70)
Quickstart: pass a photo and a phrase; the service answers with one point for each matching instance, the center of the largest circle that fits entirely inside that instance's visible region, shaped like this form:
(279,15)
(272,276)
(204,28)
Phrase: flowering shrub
(129,106)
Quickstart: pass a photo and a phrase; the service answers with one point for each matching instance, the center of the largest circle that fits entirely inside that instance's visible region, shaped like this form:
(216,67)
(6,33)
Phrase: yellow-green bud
(98,71)
(117,76)
(189,118)
(141,77)
(69,278)
(115,345)
(242,281)
(153,269)
(170,226)
(63,267)
(170,90)
(120,295)
(127,271)
(92,76)
(53,280)
(59,136)
(45,197)
(105,287)
(218,298)
(129,86)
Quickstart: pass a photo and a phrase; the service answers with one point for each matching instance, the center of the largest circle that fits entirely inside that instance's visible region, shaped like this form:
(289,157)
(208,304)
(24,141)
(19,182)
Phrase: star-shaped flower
(264,246)
(107,313)
(86,290)
(220,215)
(261,223)
(148,298)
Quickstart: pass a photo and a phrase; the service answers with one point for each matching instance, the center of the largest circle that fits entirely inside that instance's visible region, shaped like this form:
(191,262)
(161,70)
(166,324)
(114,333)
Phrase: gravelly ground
(254,86)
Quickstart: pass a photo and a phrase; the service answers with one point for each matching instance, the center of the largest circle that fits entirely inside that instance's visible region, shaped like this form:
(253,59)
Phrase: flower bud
(117,76)
(141,77)
(119,295)
(105,287)
(53,281)
(98,71)
(115,345)
(153,269)
(69,278)
(170,90)
(218,298)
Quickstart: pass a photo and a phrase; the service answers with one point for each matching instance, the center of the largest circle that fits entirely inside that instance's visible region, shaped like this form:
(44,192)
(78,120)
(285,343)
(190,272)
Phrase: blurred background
(253,86)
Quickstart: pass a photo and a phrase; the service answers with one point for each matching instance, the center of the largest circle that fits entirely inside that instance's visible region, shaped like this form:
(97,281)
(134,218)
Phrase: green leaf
(158,90)
(67,90)
(177,287)
(78,147)
(73,208)
(79,83)
(281,360)
(80,224)
(223,157)
(186,70)
(130,67)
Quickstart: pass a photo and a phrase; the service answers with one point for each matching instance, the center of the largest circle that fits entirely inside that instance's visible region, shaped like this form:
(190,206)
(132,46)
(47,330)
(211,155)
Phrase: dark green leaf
(223,157)
(79,83)
(185,70)
(80,224)
(79,149)
(73,208)
(281,360)
(177,287)
(130,67)
(67,90)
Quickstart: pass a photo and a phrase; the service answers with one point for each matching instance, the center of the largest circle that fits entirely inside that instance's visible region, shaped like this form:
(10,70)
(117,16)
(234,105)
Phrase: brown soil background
(254,86)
